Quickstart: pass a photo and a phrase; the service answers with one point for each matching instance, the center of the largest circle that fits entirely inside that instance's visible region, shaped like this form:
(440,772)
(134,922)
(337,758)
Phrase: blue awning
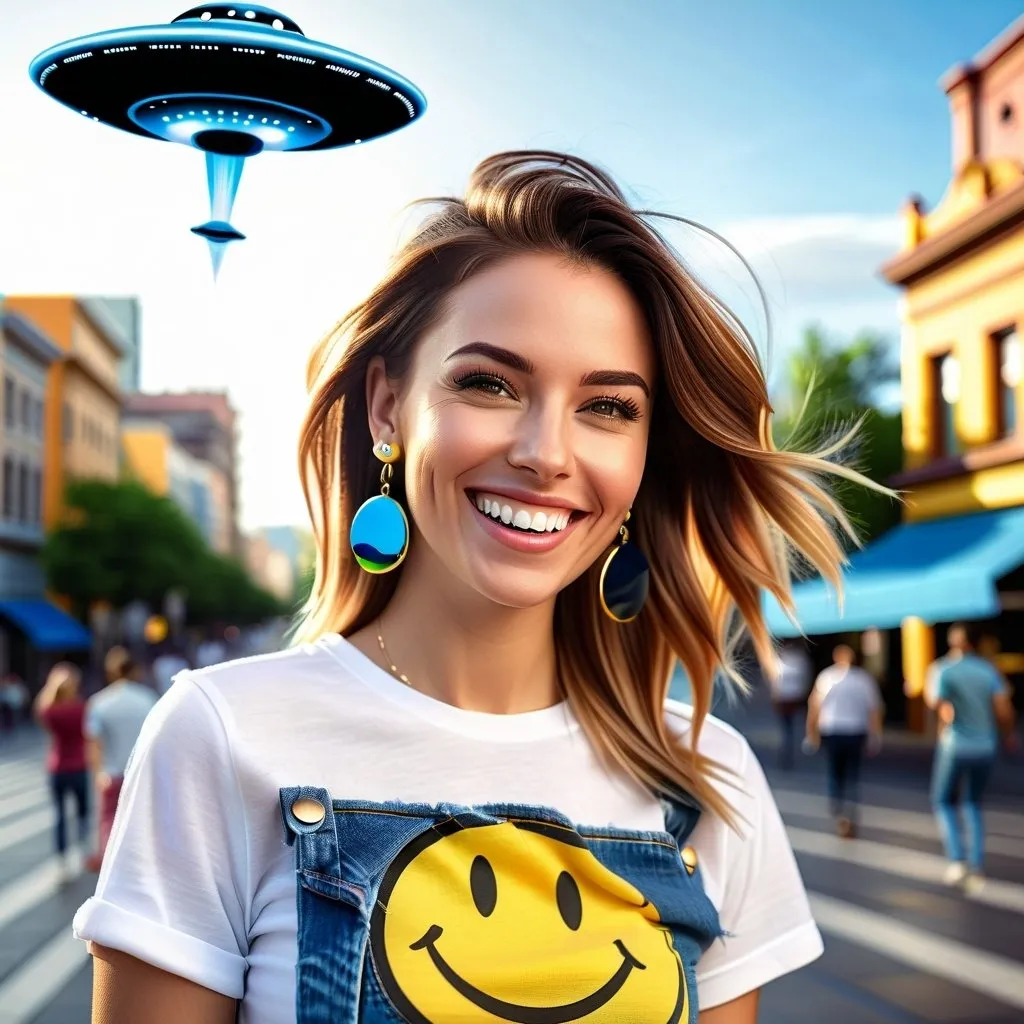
(47,627)
(938,571)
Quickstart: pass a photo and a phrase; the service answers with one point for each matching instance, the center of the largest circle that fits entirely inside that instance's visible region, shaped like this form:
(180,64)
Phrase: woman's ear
(381,402)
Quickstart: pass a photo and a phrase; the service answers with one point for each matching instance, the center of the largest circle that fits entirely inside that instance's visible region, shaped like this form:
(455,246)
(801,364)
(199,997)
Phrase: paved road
(900,948)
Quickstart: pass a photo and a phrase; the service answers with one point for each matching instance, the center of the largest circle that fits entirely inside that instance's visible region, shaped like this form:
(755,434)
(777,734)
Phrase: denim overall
(436,914)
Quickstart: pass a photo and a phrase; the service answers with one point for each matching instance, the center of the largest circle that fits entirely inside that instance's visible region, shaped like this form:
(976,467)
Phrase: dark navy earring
(625,579)
(379,534)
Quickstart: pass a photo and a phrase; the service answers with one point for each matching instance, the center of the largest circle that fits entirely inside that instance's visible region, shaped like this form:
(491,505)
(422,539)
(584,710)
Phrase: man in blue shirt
(974,706)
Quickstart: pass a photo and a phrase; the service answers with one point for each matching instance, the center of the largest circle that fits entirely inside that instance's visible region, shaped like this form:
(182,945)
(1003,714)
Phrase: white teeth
(522,518)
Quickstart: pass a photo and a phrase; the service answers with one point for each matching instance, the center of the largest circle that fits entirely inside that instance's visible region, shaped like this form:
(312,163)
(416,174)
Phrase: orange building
(959,554)
(82,406)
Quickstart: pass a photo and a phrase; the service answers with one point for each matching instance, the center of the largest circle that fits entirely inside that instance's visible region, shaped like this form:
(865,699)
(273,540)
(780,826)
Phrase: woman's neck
(465,651)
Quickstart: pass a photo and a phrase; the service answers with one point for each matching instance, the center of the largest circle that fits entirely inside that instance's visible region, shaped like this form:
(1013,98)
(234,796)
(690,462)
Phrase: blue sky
(797,128)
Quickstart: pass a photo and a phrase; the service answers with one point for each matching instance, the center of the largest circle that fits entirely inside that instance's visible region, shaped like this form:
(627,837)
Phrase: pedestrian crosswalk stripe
(988,973)
(34,985)
(26,800)
(27,827)
(1003,827)
(33,887)
(899,860)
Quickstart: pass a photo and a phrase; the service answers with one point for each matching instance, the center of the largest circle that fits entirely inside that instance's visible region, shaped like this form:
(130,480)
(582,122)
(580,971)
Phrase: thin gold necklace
(387,657)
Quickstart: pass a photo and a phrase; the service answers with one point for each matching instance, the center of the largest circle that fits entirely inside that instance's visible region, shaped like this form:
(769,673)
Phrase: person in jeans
(844,714)
(113,720)
(973,704)
(60,710)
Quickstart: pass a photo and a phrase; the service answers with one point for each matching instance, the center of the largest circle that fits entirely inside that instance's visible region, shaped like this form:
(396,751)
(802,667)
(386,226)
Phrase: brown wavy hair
(720,511)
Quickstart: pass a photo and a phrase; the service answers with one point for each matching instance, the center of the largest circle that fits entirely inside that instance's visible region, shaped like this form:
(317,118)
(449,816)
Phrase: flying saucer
(232,80)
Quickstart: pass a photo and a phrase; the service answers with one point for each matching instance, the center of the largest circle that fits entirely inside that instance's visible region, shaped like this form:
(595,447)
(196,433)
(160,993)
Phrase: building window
(39,418)
(68,424)
(8,487)
(22,493)
(946,389)
(26,412)
(8,402)
(1010,364)
(37,496)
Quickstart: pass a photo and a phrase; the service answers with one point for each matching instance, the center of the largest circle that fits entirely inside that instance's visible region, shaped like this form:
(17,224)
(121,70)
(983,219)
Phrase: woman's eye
(486,384)
(610,408)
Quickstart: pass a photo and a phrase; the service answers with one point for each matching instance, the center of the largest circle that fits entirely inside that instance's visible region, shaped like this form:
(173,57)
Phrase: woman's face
(524,420)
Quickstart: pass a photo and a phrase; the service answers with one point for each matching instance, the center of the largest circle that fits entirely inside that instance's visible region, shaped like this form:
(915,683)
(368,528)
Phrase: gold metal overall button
(310,812)
(689,856)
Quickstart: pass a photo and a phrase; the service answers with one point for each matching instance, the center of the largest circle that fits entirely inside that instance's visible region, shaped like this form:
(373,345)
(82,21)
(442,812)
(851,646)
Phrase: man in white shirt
(113,721)
(845,715)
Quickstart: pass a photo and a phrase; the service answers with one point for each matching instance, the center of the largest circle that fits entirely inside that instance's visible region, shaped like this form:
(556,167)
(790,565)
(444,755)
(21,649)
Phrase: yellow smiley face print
(520,922)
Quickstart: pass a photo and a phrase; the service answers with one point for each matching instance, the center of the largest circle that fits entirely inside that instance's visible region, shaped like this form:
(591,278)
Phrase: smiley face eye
(570,904)
(483,885)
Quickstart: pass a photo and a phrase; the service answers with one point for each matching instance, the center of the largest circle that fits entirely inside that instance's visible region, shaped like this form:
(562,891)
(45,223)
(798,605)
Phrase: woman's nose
(543,444)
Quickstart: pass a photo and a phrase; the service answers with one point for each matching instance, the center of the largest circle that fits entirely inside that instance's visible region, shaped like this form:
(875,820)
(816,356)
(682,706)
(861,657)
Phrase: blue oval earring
(625,579)
(379,534)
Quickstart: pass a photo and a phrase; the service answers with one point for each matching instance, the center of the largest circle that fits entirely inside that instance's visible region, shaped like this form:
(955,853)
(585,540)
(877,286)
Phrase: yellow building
(959,553)
(962,274)
(153,457)
(83,396)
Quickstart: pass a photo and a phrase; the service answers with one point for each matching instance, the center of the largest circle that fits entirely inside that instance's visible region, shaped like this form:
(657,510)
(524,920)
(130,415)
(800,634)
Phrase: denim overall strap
(331,913)
(681,817)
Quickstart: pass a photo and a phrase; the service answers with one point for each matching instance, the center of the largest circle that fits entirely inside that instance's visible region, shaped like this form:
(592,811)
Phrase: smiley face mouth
(529,1014)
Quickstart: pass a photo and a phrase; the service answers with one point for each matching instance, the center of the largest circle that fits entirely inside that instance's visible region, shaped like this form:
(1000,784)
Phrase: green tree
(119,542)
(832,387)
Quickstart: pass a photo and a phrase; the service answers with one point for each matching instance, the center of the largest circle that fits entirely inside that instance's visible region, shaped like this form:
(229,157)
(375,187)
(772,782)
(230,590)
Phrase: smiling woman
(539,467)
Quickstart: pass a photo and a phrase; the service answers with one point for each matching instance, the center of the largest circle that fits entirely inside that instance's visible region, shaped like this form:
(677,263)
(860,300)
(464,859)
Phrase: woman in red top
(60,710)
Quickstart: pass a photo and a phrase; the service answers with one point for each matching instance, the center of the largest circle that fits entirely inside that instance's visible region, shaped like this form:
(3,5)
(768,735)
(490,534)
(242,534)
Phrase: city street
(900,948)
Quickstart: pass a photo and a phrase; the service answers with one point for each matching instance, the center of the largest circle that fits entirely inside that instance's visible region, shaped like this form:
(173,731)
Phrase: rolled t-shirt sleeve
(764,911)
(173,890)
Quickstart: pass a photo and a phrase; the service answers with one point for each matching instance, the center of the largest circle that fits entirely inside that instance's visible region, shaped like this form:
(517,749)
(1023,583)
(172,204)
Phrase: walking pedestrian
(844,714)
(973,704)
(60,710)
(113,720)
(789,687)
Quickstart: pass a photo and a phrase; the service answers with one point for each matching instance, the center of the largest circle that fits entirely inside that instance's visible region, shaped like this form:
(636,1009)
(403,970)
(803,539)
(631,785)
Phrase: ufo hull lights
(105,76)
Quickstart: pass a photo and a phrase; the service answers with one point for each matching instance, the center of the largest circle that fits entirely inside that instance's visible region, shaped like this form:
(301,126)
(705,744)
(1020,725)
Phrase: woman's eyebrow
(513,360)
(615,379)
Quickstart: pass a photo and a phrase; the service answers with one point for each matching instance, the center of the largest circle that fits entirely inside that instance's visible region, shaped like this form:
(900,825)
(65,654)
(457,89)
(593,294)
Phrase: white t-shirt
(848,697)
(114,716)
(199,881)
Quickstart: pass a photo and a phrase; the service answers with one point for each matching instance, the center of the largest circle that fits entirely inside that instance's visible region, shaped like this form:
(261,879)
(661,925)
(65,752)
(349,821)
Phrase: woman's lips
(521,540)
